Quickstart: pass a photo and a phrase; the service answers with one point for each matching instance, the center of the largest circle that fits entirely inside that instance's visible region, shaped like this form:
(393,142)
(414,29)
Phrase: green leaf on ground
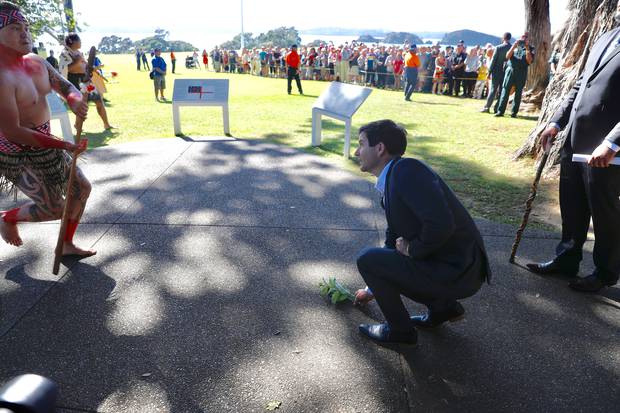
(335,291)
(273,405)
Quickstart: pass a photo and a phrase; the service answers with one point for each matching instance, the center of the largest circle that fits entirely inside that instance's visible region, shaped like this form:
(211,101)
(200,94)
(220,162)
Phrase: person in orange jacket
(412,65)
(292,68)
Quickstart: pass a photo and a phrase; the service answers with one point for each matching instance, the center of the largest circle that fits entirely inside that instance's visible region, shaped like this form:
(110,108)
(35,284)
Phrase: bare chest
(31,88)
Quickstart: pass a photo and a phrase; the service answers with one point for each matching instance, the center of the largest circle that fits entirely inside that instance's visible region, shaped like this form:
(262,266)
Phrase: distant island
(285,36)
(470,37)
(366,38)
(338,31)
(402,38)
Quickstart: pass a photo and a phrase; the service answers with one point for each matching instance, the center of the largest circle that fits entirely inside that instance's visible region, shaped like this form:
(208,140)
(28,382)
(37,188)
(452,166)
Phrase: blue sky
(208,22)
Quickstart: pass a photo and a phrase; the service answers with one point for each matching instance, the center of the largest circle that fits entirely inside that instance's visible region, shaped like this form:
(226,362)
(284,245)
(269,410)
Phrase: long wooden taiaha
(79,122)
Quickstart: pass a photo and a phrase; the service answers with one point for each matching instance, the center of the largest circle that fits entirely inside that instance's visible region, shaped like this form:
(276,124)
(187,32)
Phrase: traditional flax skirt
(51,166)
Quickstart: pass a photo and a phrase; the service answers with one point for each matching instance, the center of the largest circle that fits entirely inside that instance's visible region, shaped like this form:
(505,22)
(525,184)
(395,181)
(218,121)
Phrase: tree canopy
(45,16)
(280,37)
(117,45)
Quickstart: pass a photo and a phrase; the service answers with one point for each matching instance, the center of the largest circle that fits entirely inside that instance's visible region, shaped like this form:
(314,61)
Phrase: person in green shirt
(519,57)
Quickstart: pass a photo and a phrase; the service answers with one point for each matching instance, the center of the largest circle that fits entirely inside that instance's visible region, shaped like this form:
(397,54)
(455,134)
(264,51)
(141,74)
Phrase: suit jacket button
(588,85)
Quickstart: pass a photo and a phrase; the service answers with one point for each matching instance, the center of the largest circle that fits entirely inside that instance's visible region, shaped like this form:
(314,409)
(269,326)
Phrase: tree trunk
(70,16)
(588,20)
(539,28)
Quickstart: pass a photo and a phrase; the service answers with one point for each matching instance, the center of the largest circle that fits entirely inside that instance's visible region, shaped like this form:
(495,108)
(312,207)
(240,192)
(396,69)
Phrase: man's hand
(602,156)
(363,297)
(548,137)
(77,105)
(402,246)
(80,148)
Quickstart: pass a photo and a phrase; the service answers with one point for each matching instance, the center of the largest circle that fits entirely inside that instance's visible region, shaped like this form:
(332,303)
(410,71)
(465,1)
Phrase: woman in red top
(205,59)
(398,69)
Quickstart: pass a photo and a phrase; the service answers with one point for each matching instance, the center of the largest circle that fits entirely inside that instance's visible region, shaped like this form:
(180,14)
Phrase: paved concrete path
(203,298)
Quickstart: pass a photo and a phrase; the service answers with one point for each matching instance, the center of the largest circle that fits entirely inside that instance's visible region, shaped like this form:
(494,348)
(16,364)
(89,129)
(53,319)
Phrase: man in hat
(412,64)
(31,159)
(292,65)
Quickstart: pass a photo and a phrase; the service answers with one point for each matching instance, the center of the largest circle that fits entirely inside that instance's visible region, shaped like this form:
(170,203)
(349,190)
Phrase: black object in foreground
(29,393)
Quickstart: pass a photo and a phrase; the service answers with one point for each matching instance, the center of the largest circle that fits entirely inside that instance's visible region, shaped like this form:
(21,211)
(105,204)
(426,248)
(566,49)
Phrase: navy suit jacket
(444,242)
(591,111)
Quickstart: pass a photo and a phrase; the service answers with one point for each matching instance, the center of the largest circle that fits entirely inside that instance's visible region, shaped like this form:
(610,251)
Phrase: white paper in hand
(579,157)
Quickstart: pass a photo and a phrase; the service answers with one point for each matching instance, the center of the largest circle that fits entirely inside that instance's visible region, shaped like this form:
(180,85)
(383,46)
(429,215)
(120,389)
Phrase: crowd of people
(459,71)
(374,65)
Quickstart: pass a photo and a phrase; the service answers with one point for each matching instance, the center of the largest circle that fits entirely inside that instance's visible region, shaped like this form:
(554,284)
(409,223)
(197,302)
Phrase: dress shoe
(484,110)
(436,318)
(498,115)
(589,284)
(514,115)
(551,267)
(383,334)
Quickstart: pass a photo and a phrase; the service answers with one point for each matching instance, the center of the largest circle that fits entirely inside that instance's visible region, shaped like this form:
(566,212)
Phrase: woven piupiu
(51,166)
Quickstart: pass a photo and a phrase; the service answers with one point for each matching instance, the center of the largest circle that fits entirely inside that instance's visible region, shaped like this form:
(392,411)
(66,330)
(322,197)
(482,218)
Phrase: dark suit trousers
(494,92)
(590,192)
(293,74)
(458,79)
(411,80)
(389,274)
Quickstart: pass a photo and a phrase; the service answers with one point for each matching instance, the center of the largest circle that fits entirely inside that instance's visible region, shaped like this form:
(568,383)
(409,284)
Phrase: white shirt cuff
(611,145)
(555,125)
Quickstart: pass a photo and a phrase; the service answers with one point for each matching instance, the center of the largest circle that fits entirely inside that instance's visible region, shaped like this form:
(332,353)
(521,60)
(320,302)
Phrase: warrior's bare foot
(10,234)
(69,248)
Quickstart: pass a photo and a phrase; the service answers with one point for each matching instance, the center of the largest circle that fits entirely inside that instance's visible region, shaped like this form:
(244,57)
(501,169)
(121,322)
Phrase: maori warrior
(31,159)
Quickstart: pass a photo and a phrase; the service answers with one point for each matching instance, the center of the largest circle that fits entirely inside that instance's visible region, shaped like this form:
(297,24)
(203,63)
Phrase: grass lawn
(470,150)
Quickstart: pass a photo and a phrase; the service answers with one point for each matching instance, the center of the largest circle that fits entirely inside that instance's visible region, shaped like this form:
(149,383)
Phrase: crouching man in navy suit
(433,252)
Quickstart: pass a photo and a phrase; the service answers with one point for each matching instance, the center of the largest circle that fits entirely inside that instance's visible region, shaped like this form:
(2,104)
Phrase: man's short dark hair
(71,38)
(507,36)
(394,137)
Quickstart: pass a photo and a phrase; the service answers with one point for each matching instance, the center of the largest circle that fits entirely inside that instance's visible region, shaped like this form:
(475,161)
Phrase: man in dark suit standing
(496,70)
(591,116)
(433,251)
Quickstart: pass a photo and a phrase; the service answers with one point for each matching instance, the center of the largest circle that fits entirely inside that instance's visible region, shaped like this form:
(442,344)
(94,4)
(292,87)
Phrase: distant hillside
(366,38)
(470,37)
(338,31)
(431,35)
(401,38)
